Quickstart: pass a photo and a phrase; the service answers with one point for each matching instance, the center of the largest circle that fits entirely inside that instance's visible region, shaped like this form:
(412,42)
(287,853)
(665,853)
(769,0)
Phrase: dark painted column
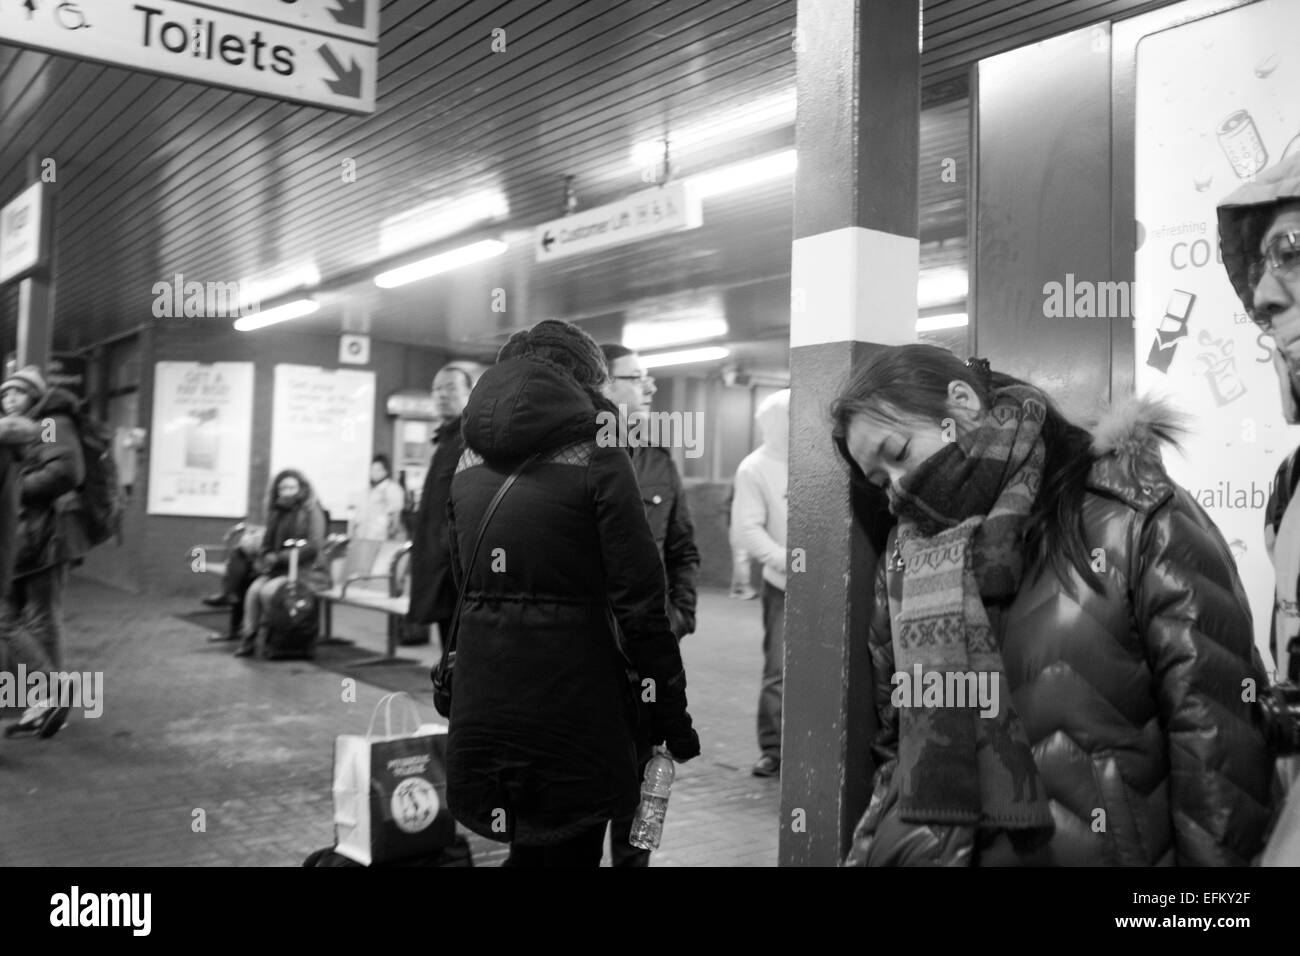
(853,289)
(36,292)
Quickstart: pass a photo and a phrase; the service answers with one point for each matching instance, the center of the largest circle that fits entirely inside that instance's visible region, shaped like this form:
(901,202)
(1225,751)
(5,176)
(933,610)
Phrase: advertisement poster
(322,426)
(1216,104)
(201,439)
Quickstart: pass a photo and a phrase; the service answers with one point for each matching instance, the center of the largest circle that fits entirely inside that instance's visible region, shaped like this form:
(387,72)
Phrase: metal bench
(385,589)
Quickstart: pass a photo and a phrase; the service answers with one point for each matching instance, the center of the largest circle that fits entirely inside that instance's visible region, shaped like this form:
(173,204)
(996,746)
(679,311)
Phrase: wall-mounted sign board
(651,212)
(318,52)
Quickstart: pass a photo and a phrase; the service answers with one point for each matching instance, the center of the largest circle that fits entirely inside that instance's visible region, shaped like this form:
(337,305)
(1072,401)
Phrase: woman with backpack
(1062,649)
(31,612)
(292,514)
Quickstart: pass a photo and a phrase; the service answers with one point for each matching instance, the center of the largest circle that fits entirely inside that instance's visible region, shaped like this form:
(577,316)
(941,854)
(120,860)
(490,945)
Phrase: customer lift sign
(319,52)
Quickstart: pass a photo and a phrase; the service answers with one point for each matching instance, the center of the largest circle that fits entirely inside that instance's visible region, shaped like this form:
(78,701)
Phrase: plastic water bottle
(648,824)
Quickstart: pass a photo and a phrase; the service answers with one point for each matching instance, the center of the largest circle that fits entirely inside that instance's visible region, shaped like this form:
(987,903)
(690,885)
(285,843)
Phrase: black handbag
(445,668)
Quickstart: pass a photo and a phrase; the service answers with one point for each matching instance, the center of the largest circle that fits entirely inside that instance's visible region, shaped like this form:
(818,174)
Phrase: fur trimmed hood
(1127,440)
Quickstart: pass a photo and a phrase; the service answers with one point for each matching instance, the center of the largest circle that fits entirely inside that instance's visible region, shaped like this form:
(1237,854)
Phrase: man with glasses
(1259,238)
(632,390)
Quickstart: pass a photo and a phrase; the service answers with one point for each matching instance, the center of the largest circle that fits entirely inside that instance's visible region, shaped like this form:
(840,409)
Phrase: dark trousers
(584,850)
(769,696)
(239,575)
(621,852)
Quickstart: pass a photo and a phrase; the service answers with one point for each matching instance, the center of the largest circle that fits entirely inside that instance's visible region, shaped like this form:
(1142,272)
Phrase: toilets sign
(318,52)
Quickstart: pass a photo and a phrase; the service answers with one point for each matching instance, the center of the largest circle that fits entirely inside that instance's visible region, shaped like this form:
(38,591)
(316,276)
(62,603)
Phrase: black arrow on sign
(547,241)
(345,82)
(352,13)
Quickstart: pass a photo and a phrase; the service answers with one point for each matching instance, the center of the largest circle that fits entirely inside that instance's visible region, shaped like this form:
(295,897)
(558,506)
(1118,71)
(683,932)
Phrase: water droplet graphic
(1266,66)
(1203,179)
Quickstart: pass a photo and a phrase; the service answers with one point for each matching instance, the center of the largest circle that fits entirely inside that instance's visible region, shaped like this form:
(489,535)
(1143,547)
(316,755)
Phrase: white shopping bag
(390,789)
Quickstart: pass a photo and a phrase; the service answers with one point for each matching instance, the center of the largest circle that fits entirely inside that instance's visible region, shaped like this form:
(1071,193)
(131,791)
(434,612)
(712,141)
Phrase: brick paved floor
(204,759)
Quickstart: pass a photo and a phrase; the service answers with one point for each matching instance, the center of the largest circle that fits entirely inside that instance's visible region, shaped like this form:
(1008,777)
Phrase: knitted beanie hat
(563,344)
(29,379)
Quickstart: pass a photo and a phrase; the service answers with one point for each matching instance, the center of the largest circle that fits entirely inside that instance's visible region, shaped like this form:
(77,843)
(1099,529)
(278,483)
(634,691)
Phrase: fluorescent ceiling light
(765,113)
(940,287)
(685,357)
(934,323)
(443,262)
(658,335)
(741,175)
(282,313)
(273,283)
(429,222)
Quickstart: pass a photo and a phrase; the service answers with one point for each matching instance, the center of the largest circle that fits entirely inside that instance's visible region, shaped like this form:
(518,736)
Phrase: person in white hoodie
(758,513)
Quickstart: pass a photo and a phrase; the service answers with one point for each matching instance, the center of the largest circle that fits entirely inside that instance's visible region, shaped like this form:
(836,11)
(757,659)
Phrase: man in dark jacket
(631,390)
(1259,234)
(433,594)
(31,613)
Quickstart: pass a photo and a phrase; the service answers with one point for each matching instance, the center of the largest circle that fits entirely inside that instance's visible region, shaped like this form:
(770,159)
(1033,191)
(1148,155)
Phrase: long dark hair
(304,489)
(912,380)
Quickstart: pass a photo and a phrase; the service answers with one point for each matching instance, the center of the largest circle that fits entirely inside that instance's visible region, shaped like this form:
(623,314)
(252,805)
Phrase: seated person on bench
(292,513)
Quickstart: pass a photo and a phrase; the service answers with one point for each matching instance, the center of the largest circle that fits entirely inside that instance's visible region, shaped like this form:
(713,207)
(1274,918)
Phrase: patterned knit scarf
(962,518)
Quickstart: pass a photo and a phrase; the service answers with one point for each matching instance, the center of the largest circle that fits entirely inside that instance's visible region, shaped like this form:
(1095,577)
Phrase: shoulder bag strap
(482,528)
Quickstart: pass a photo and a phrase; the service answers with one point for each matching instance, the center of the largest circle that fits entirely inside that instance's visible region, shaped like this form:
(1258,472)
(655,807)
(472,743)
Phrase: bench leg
(327,625)
(394,629)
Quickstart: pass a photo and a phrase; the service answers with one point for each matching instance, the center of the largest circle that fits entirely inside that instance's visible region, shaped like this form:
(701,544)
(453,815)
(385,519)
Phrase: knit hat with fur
(29,379)
(562,344)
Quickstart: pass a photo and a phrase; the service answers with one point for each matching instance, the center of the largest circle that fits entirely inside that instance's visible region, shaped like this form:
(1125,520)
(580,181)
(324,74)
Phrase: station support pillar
(853,290)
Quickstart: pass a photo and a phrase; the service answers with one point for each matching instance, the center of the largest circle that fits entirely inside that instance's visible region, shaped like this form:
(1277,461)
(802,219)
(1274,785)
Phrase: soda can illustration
(1242,144)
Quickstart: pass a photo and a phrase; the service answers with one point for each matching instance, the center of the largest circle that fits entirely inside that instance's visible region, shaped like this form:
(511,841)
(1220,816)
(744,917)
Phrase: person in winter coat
(433,593)
(1062,649)
(379,519)
(758,525)
(630,389)
(1259,238)
(292,514)
(566,592)
(31,613)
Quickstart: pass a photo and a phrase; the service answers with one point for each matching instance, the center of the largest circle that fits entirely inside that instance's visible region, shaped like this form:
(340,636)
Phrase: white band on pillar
(854,284)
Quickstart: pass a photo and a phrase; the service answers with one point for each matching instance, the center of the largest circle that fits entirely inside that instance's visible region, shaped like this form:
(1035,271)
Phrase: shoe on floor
(29,723)
(245,650)
(219,600)
(55,718)
(221,638)
(767,766)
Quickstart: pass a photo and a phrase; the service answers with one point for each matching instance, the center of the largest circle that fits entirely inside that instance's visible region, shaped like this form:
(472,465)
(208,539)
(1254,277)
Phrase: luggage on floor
(292,615)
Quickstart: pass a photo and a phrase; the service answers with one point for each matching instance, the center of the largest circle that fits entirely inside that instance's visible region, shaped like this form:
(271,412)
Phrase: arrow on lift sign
(351,13)
(547,241)
(345,82)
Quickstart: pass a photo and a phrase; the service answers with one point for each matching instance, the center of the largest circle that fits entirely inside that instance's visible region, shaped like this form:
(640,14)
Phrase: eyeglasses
(1282,258)
(645,381)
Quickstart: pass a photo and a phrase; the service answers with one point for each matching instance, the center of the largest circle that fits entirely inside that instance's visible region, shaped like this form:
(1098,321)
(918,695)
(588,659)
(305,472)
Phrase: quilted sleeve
(1195,623)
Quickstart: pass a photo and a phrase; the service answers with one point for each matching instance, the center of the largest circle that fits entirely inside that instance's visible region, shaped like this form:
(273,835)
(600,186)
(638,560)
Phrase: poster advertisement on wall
(323,426)
(1216,105)
(201,439)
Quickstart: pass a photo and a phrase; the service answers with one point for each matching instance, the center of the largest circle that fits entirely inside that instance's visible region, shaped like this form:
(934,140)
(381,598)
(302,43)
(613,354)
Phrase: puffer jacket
(1131,699)
(52,467)
(433,593)
(304,520)
(542,742)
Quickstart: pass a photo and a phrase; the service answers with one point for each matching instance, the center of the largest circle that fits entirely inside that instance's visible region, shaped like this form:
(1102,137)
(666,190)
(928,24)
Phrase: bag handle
(386,704)
(450,643)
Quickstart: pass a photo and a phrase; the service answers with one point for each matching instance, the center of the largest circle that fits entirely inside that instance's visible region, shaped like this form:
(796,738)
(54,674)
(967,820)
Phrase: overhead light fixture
(275,283)
(936,323)
(443,262)
(681,318)
(943,286)
(431,221)
(742,175)
(765,113)
(685,357)
(281,313)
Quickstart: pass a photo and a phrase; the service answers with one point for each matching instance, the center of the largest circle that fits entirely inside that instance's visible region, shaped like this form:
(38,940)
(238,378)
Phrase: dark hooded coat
(542,741)
(52,467)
